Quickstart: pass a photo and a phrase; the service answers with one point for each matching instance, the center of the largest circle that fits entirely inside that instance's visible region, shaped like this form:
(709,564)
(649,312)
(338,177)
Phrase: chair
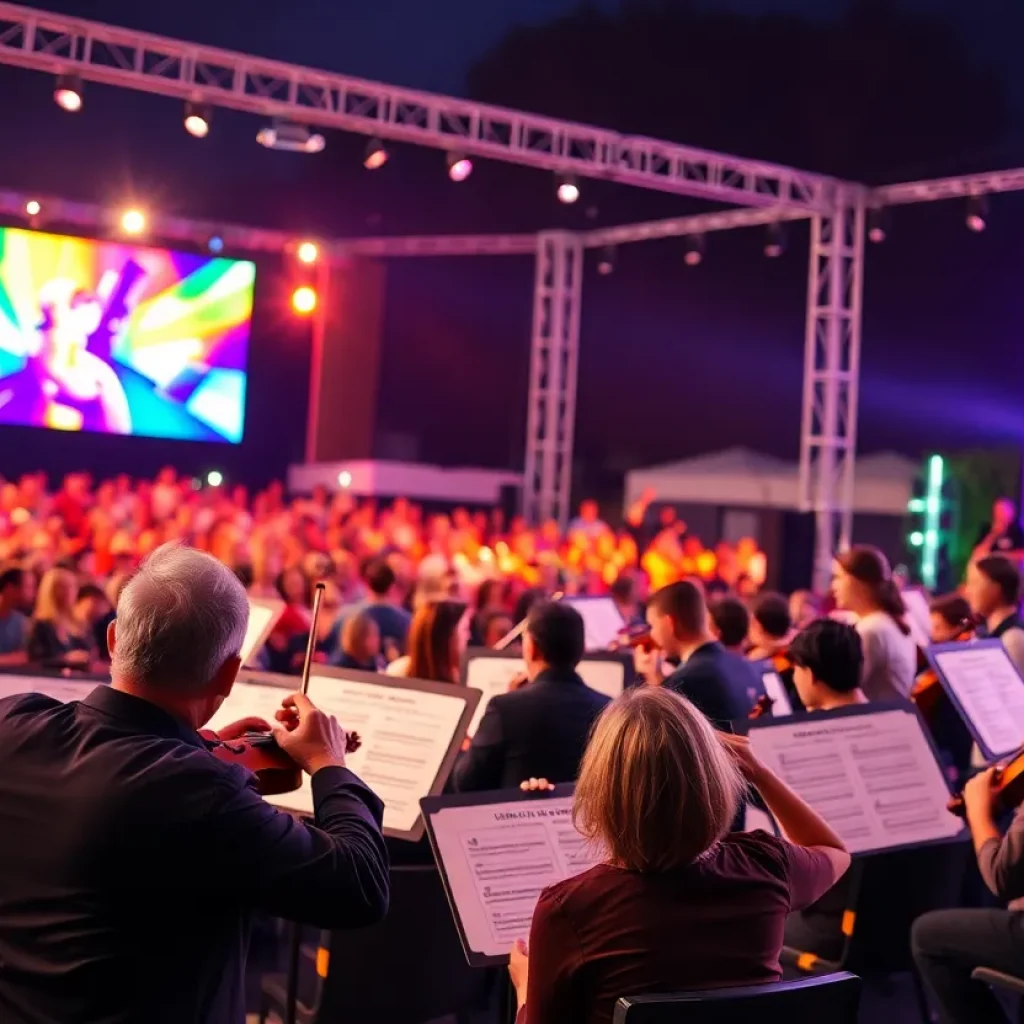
(831,998)
(408,969)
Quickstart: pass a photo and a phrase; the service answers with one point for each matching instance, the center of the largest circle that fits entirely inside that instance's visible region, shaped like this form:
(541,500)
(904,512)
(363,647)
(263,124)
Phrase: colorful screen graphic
(122,339)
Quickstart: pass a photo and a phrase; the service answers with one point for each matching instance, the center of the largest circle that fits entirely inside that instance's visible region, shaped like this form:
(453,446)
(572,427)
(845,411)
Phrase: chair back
(831,998)
(408,968)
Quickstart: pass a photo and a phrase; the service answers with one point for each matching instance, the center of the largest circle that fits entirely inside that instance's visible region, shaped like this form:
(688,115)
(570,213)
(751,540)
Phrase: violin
(1007,784)
(258,752)
(634,637)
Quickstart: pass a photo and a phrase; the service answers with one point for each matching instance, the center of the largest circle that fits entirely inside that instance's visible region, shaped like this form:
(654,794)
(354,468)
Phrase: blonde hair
(656,787)
(47,608)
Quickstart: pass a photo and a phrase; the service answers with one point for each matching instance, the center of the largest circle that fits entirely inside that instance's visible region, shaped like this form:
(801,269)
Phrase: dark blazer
(539,732)
(723,685)
(131,859)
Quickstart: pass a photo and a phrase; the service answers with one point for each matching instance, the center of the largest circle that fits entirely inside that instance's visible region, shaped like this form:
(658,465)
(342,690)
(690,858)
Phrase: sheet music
(492,675)
(498,858)
(873,777)
(918,616)
(602,622)
(406,734)
(261,617)
(776,690)
(60,689)
(990,693)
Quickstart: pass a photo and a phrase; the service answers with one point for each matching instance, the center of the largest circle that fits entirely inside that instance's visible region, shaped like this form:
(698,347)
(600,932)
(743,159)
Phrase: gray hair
(179,619)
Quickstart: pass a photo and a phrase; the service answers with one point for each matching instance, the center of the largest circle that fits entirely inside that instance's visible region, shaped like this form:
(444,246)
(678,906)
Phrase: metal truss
(554,359)
(828,437)
(53,43)
(948,188)
(438,245)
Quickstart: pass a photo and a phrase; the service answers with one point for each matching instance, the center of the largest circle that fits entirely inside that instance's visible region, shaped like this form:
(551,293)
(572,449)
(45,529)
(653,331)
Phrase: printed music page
(602,622)
(777,692)
(498,858)
(261,617)
(60,689)
(873,777)
(491,676)
(990,693)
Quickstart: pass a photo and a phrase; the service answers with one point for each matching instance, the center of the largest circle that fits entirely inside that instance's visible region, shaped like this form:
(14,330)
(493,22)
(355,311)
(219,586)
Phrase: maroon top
(714,923)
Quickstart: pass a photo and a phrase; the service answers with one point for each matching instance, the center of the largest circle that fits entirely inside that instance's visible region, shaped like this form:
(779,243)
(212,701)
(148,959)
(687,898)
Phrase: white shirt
(890,658)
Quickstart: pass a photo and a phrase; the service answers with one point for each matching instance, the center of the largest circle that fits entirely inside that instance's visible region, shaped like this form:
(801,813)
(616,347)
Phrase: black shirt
(131,859)
(1011,539)
(724,685)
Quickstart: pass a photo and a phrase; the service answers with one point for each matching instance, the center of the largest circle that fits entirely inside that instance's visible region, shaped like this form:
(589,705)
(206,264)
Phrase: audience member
(540,729)
(490,599)
(993,591)
(437,637)
(678,902)
(722,684)
(497,625)
(360,644)
(771,627)
(383,605)
(862,584)
(325,649)
(730,623)
(14,623)
(57,638)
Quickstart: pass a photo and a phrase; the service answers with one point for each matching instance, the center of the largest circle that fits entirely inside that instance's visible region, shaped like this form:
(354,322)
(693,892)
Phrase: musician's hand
(519,970)
(739,747)
(536,786)
(648,665)
(980,795)
(311,738)
(236,730)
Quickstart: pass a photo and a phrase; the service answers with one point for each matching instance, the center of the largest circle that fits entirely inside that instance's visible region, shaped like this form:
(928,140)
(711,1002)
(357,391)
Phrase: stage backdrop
(122,339)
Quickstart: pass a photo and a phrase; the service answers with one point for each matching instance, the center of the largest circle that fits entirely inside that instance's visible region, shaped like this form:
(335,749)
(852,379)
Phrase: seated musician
(771,627)
(539,729)
(949,617)
(730,623)
(993,590)
(679,902)
(131,857)
(827,665)
(949,944)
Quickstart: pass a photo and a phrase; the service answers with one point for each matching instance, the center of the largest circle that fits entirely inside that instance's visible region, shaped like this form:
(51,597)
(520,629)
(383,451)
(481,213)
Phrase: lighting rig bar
(948,188)
(54,43)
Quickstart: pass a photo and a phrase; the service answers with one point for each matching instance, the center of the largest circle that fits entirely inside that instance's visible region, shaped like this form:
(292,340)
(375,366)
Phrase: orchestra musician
(730,623)
(993,591)
(131,858)
(771,627)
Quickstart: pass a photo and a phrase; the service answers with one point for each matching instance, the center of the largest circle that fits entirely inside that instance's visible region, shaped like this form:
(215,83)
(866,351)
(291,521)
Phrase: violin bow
(318,594)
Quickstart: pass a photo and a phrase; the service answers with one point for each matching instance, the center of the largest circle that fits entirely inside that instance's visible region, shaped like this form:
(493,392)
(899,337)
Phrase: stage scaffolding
(763,193)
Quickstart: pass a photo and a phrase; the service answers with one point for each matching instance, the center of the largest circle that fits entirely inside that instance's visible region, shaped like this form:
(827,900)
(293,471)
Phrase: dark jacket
(131,859)
(723,685)
(538,732)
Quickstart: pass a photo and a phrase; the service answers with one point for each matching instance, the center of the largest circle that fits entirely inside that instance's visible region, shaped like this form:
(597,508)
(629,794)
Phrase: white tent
(741,477)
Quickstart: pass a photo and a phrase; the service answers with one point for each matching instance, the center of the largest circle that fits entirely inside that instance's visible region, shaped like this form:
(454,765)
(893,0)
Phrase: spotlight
(345,479)
(215,244)
(977,212)
(459,167)
(568,190)
(133,222)
(32,208)
(197,119)
(876,225)
(376,155)
(694,251)
(606,261)
(290,137)
(775,243)
(307,252)
(68,93)
(215,478)
(304,300)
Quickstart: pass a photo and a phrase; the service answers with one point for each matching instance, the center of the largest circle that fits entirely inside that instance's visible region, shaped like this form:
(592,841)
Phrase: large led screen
(122,339)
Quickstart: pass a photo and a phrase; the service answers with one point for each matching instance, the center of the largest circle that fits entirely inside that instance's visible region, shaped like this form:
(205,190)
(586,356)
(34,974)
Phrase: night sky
(689,360)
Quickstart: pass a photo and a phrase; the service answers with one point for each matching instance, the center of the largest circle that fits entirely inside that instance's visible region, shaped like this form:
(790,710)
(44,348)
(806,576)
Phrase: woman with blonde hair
(677,902)
(57,638)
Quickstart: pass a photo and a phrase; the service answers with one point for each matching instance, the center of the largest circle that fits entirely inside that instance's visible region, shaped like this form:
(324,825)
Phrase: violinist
(993,591)
(730,623)
(131,857)
(771,627)
(949,618)
(949,944)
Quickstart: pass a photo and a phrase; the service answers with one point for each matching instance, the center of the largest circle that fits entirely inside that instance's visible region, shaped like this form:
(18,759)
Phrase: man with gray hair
(131,857)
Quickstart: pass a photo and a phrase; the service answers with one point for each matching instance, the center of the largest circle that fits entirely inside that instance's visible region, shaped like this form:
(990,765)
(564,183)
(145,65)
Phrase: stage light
(68,93)
(459,167)
(694,251)
(290,137)
(606,261)
(568,190)
(345,479)
(876,225)
(376,155)
(307,252)
(215,244)
(775,243)
(304,300)
(32,208)
(197,119)
(215,478)
(133,222)
(977,212)
(916,539)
